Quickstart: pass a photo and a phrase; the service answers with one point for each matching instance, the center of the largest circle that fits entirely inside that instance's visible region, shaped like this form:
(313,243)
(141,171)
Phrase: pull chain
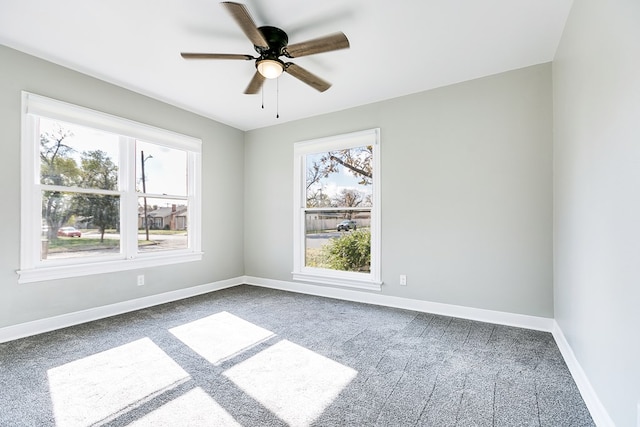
(262,92)
(277,98)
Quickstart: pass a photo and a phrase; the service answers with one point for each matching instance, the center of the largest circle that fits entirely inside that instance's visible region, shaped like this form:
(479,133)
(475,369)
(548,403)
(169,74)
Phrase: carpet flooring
(249,356)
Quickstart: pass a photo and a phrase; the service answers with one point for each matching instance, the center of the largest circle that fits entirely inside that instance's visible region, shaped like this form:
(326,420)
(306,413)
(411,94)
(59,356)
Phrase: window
(101,193)
(337,210)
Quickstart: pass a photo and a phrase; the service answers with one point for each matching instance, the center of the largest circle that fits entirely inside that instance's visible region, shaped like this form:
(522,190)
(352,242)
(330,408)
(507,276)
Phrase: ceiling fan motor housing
(277,40)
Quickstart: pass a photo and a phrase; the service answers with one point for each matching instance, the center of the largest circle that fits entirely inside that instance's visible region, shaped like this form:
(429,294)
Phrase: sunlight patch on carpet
(194,408)
(294,383)
(220,336)
(105,385)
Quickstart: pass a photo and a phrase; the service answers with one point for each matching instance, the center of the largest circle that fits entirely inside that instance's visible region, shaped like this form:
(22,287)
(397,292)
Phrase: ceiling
(397,48)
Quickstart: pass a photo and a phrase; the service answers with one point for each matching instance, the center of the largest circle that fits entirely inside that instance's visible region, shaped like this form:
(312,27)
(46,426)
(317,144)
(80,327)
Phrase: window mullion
(338,209)
(129,202)
(63,189)
(161,196)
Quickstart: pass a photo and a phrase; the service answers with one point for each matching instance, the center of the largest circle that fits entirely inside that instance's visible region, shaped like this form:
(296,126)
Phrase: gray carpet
(249,356)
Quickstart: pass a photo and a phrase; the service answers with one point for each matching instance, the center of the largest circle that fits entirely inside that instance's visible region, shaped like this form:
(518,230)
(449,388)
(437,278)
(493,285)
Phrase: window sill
(78,270)
(347,282)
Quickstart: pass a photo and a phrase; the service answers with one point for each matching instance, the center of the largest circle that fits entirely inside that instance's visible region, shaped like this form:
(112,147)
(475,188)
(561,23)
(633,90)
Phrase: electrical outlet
(141,280)
(403,280)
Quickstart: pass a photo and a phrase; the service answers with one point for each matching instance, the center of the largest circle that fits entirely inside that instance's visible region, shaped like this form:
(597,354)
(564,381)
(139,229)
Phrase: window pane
(72,155)
(166,222)
(341,178)
(165,169)
(79,225)
(338,240)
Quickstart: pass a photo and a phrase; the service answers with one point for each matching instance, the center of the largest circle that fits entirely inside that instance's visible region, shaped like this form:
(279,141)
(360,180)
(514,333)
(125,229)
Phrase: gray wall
(223,174)
(596,78)
(466,192)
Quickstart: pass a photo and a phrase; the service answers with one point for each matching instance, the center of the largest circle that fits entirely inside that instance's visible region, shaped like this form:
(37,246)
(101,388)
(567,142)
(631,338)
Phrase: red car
(69,232)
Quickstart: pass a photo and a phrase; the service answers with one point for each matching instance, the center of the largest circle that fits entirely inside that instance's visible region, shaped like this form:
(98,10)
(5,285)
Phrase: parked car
(347,225)
(69,232)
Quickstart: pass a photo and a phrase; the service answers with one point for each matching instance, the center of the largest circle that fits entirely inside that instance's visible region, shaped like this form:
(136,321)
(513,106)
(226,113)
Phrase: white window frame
(369,281)
(32,268)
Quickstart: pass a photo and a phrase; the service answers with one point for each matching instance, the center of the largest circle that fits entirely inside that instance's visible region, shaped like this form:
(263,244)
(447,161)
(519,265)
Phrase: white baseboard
(490,316)
(596,408)
(35,327)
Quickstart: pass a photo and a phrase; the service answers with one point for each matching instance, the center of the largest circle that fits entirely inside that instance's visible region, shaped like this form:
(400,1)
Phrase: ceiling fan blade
(307,77)
(187,55)
(323,44)
(242,17)
(255,84)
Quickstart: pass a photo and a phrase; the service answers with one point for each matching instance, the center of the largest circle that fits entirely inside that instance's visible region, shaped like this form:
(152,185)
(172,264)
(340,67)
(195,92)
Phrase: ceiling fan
(271,43)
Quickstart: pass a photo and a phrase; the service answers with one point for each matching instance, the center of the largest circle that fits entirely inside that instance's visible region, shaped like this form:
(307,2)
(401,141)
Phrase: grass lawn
(72,244)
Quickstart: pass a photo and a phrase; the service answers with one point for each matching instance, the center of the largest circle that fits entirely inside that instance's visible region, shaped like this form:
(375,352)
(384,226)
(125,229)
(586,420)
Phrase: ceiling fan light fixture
(270,68)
